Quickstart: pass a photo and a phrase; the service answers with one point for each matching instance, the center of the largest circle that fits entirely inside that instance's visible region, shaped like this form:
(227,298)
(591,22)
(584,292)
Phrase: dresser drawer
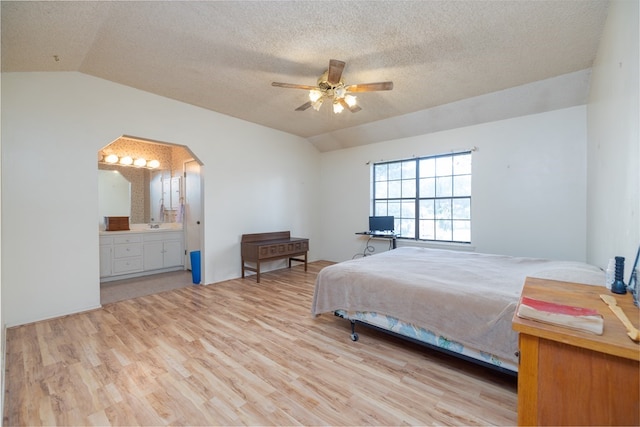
(127,238)
(127,265)
(124,251)
(298,247)
(272,250)
(106,241)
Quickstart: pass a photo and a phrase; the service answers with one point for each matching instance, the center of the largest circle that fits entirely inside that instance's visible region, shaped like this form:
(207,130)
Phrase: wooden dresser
(261,247)
(568,377)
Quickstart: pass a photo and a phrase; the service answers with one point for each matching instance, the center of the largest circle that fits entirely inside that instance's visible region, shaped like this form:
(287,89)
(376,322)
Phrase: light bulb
(140,162)
(111,158)
(337,108)
(340,92)
(317,104)
(153,164)
(314,95)
(126,160)
(350,100)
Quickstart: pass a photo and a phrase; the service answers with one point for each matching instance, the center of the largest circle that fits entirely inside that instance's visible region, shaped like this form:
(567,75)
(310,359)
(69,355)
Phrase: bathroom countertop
(141,230)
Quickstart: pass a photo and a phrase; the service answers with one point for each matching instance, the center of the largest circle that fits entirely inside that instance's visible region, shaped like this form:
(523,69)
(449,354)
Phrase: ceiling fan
(331,87)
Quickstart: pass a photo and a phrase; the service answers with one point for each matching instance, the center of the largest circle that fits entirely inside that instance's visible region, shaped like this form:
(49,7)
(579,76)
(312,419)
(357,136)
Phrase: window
(430,197)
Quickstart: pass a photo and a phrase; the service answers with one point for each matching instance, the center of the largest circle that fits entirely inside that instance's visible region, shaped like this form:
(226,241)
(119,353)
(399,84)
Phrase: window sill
(437,245)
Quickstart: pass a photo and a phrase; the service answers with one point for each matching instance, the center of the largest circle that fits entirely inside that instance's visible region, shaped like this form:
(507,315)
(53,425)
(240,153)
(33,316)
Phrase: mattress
(465,297)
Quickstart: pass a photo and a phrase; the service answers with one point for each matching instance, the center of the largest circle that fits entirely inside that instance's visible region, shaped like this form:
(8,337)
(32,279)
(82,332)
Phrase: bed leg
(354,335)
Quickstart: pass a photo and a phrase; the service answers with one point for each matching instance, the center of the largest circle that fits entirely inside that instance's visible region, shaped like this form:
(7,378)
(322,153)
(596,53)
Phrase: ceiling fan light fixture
(331,86)
(314,95)
(350,100)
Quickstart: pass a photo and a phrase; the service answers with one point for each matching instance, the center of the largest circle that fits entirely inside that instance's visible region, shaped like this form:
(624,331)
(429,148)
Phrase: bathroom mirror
(114,195)
(139,211)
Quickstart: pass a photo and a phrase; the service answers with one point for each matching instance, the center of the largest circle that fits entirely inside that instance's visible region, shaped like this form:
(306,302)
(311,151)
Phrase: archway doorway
(152,255)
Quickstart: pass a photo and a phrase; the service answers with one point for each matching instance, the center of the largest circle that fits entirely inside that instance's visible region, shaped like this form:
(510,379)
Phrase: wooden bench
(260,247)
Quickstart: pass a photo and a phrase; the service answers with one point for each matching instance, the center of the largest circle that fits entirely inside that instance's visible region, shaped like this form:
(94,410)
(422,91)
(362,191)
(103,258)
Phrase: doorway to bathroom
(159,199)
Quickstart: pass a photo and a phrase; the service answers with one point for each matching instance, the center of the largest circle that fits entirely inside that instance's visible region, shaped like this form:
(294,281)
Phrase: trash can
(195,266)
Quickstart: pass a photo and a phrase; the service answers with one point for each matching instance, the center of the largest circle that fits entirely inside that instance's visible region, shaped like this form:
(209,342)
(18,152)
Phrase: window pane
(394,209)
(409,188)
(461,209)
(409,170)
(443,209)
(427,167)
(381,190)
(381,209)
(462,164)
(408,209)
(462,185)
(426,210)
(443,187)
(407,228)
(462,231)
(394,171)
(380,172)
(395,190)
(443,230)
(427,229)
(427,187)
(444,166)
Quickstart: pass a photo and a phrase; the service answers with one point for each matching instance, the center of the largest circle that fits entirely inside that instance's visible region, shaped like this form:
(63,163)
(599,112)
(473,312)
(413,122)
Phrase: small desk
(260,247)
(373,235)
(568,377)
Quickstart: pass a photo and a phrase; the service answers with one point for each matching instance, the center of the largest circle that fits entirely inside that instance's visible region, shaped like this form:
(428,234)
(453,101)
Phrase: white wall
(53,124)
(528,189)
(613,153)
(3,329)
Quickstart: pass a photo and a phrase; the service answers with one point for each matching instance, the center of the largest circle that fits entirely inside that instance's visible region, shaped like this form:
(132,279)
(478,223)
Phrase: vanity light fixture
(126,160)
(111,158)
(139,162)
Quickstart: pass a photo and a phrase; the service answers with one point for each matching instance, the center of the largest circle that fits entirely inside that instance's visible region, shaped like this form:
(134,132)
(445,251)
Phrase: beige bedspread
(465,296)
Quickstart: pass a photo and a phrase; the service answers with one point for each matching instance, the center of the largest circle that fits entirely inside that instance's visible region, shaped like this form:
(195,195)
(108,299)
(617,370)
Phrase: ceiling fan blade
(370,87)
(293,86)
(353,109)
(304,106)
(335,71)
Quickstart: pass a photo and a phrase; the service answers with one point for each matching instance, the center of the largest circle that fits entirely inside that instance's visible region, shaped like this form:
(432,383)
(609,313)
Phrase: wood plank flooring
(238,353)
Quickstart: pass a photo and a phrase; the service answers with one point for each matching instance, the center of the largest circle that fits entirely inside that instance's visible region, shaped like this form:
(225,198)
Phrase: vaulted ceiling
(223,55)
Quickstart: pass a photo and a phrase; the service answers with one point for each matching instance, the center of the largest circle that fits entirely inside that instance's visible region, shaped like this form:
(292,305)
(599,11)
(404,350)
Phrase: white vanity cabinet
(106,256)
(125,255)
(163,250)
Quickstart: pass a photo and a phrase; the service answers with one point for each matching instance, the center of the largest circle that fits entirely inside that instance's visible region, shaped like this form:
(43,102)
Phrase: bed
(457,302)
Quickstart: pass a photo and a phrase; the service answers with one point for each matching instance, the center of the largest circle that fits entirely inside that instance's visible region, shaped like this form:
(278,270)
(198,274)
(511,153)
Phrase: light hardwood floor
(238,353)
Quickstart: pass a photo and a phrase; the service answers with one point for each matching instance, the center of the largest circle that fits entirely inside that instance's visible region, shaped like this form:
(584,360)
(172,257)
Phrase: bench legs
(257,269)
(299,260)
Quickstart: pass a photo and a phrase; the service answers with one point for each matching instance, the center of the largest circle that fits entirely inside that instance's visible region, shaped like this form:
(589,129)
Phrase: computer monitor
(381,223)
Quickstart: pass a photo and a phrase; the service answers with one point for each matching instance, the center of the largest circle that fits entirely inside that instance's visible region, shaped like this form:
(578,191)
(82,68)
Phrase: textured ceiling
(223,55)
